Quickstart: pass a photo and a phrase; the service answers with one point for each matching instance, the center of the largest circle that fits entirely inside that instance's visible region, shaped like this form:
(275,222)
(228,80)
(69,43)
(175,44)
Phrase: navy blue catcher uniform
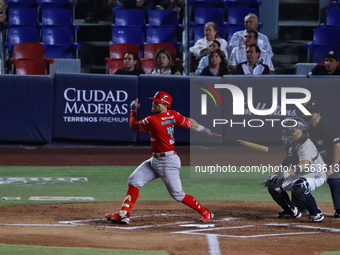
(327,141)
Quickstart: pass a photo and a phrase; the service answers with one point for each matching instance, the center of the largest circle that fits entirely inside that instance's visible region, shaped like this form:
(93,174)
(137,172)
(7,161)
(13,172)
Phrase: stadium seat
(204,15)
(333,18)
(151,49)
(19,16)
(21,3)
(56,16)
(243,3)
(30,66)
(118,51)
(236,15)
(127,35)
(232,29)
(28,50)
(161,35)
(20,35)
(148,65)
(129,18)
(326,35)
(58,3)
(59,42)
(114,65)
(159,18)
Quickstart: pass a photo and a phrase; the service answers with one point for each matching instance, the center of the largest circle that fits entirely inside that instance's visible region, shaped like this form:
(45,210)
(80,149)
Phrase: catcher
(307,172)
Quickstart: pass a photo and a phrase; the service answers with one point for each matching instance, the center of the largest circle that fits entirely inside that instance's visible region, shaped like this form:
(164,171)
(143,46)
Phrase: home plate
(198,225)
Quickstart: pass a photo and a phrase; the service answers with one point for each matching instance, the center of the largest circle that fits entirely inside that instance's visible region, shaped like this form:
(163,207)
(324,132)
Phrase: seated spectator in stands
(3,7)
(238,55)
(217,65)
(201,47)
(167,4)
(129,4)
(130,62)
(164,64)
(205,60)
(253,65)
(250,22)
(330,67)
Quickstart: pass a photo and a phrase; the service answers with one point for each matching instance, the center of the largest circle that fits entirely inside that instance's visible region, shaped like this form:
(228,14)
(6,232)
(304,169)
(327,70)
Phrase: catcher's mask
(291,124)
(312,107)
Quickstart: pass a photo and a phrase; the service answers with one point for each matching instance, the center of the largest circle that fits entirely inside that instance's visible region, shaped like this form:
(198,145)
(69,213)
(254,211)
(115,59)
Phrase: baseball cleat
(295,213)
(317,218)
(116,218)
(337,214)
(207,216)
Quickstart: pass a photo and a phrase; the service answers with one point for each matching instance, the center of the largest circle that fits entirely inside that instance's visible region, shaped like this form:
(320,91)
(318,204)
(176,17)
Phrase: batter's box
(265,230)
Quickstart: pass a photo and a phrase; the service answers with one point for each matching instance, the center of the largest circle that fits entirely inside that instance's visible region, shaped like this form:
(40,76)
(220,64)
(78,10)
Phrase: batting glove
(207,131)
(134,105)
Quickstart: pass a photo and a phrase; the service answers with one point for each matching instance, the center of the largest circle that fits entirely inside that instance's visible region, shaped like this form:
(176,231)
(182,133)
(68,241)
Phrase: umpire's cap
(313,107)
(162,97)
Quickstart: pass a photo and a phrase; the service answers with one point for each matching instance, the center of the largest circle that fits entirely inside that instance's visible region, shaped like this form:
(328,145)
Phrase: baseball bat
(254,145)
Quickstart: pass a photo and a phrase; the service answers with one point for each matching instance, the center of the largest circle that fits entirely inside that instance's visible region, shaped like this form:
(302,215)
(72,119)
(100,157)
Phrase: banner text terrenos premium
(95,105)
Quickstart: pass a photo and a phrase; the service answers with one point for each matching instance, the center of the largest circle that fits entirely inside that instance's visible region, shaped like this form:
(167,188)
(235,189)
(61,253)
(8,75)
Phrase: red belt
(163,154)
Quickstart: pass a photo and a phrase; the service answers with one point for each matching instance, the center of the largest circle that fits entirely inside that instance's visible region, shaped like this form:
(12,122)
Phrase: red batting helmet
(162,97)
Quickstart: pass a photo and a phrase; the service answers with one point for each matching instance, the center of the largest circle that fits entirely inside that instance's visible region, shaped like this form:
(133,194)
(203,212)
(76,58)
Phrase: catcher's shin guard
(282,199)
(301,192)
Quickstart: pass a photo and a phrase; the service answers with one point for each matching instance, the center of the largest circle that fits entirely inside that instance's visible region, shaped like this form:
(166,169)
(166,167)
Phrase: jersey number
(171,131)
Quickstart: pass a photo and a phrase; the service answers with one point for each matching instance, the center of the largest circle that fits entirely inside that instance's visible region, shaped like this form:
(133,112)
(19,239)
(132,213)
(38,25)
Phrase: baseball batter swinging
(164,163)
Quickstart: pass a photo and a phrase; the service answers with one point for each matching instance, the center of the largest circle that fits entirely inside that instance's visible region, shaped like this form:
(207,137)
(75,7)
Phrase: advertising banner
(94,107)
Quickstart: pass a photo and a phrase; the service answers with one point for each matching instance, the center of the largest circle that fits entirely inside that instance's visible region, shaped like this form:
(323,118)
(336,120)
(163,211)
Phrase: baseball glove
(274,182)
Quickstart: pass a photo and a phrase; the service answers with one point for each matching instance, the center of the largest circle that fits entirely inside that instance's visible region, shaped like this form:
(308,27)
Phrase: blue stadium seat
(236,15)
(204,15)
(326,35)
(58,42)
(58,3)
(127,35)
(244,3)
(129,18)
(333,18)
(20,35)
(22,16)
(232,29)
(159,18)
(161,35)
(21,3)
(56,16)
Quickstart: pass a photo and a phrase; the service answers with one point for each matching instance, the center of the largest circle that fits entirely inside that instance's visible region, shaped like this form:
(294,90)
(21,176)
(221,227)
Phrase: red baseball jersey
(161,127)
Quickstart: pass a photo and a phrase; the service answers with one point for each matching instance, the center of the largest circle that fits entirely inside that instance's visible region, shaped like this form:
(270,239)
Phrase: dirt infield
(238,227)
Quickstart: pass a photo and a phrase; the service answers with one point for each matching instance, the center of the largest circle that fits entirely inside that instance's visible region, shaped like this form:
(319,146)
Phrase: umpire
(327,141)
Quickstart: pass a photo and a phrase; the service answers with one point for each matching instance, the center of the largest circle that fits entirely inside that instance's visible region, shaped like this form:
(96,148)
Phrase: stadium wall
(93,107)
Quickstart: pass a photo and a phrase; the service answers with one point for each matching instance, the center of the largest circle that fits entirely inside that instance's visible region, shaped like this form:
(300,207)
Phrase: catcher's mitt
(274,182)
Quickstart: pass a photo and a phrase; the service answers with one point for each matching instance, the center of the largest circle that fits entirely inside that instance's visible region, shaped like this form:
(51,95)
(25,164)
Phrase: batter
(164,163)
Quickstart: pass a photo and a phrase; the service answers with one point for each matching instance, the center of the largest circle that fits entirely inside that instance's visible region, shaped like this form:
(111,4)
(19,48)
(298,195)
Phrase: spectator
(217,65)
(253,65)
(205,60)
(251,22)
(167,4)
(130,62)
(3,7)
(239,55)
(330,67)
(201,47)
(129,4)
(164,64)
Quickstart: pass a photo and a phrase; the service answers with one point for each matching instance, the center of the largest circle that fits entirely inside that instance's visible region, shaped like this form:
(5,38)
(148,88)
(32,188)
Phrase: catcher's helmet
(312,107)
(162,97)
(292,123)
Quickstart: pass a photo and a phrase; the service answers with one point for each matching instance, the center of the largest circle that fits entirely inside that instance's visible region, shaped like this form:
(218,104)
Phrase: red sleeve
(183,121)
(136,125)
